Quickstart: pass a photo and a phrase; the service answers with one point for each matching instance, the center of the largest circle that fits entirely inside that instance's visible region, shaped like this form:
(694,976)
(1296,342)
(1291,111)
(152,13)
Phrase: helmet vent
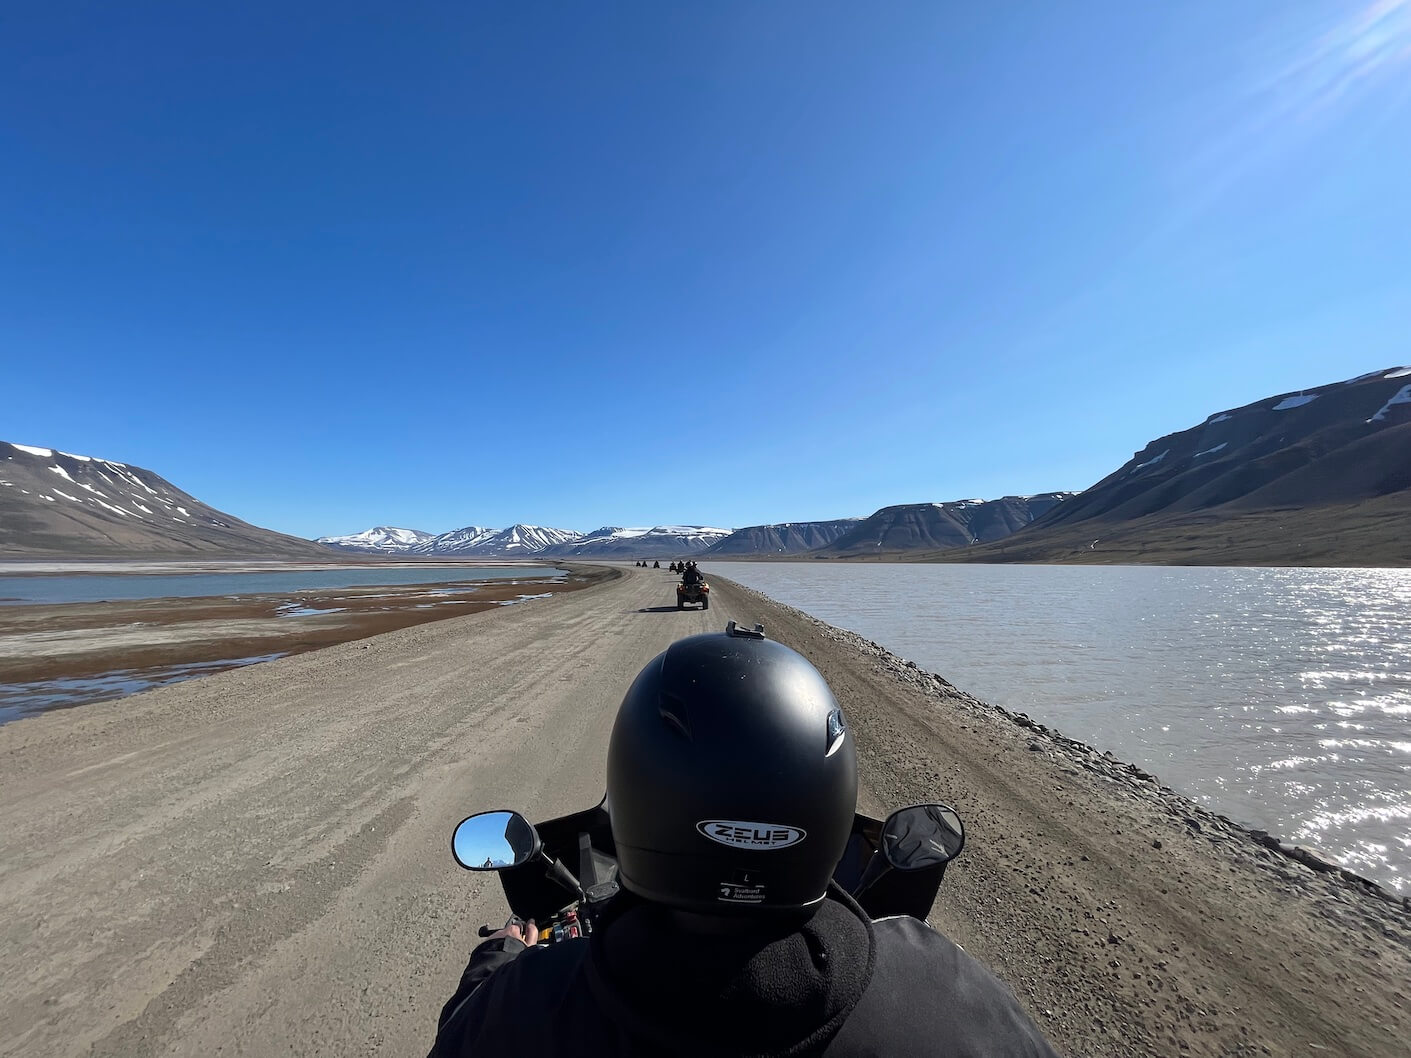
(673,711)
(837,731)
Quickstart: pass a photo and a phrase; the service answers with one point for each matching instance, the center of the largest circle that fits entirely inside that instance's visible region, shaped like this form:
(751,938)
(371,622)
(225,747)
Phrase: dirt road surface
(258,862)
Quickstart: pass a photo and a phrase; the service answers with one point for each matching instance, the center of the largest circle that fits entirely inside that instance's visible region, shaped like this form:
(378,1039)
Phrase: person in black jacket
(731,789)
(692,575)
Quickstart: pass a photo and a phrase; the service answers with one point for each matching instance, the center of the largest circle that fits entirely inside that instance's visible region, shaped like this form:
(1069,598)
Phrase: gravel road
(257,862)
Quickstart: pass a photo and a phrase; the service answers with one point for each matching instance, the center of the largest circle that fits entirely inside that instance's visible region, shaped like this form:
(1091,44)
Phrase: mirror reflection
(492,840)
(922,836)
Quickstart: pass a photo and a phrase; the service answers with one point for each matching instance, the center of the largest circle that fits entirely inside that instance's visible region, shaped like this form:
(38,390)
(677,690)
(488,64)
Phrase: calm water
(82,587)
(1280,697)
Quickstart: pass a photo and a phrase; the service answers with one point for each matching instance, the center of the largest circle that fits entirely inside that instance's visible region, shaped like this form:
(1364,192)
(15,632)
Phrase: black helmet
(731,778)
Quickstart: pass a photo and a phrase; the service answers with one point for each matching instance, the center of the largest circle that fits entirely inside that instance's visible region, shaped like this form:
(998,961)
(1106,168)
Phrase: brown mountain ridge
(1321,476)
(55,504)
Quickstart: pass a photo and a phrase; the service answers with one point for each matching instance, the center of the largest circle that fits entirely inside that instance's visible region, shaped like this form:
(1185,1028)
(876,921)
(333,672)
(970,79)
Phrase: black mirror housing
(922,836)
(494,841)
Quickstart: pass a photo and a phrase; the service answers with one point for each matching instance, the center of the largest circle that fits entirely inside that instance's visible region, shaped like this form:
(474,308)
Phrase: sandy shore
(256,862)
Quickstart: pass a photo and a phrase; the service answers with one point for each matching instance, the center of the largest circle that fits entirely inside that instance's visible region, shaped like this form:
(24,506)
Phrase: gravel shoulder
(258,861)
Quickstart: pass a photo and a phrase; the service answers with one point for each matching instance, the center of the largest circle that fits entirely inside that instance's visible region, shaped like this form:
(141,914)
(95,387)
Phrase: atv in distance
(693,593)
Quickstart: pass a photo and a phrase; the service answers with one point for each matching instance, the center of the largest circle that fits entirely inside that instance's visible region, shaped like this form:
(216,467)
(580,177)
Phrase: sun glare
(1355,52)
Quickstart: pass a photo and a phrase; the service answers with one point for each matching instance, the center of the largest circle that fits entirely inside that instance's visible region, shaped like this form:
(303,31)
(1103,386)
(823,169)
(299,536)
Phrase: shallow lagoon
(1280,697)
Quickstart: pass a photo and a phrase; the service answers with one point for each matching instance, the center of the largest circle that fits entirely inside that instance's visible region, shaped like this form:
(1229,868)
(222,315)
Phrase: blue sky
(330,266)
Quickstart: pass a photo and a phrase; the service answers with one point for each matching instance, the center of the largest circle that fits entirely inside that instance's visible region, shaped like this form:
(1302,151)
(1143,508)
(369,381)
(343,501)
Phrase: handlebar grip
(485,931)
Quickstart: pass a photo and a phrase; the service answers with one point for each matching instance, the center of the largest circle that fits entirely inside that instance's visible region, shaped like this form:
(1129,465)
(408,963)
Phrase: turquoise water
(89,587)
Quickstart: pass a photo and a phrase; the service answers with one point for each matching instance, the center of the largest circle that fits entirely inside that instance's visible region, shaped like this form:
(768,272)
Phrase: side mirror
(491,841)
(922,836)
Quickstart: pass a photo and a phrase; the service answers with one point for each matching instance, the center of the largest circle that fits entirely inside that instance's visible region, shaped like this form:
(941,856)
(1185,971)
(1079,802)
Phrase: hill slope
(928,527)
(783,538)
(56,504)
(1322,476)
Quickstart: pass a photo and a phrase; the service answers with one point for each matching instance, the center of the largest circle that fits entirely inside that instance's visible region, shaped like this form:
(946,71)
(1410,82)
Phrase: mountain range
(958,523)
(1319,476)
(478,542)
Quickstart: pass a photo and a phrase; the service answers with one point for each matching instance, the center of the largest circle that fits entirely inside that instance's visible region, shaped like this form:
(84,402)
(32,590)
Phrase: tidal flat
(63,655)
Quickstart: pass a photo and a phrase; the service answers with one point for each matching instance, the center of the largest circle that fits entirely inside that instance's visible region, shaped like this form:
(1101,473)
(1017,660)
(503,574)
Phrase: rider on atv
(699,955)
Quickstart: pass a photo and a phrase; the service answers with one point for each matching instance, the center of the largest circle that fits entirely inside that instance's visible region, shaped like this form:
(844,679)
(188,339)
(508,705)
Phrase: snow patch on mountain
(1151,462)
(1294,402)
(50,453)
(1402,396)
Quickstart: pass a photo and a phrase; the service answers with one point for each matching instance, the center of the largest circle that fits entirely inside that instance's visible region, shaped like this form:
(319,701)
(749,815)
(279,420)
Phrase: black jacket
(840,985)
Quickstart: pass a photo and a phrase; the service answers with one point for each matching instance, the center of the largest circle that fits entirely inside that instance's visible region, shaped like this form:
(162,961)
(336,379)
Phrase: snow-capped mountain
(456,542)
(659,542)
(382,539)
(57,503)
(479,542)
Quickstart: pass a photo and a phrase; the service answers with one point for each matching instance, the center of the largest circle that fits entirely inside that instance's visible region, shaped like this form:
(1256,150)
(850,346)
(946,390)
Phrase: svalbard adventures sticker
(741,835)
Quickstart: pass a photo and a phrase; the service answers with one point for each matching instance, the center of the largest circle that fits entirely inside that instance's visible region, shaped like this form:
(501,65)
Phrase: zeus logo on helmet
(742,835)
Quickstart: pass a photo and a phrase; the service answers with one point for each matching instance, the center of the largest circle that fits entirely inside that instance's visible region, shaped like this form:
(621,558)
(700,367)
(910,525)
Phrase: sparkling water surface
(1279,697)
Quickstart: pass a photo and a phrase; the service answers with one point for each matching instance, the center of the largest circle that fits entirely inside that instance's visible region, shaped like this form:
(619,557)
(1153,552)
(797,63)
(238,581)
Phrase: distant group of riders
(690,573)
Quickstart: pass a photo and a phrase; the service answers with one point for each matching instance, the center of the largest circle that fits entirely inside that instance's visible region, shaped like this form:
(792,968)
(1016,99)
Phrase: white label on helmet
(740,835)
(740,894)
